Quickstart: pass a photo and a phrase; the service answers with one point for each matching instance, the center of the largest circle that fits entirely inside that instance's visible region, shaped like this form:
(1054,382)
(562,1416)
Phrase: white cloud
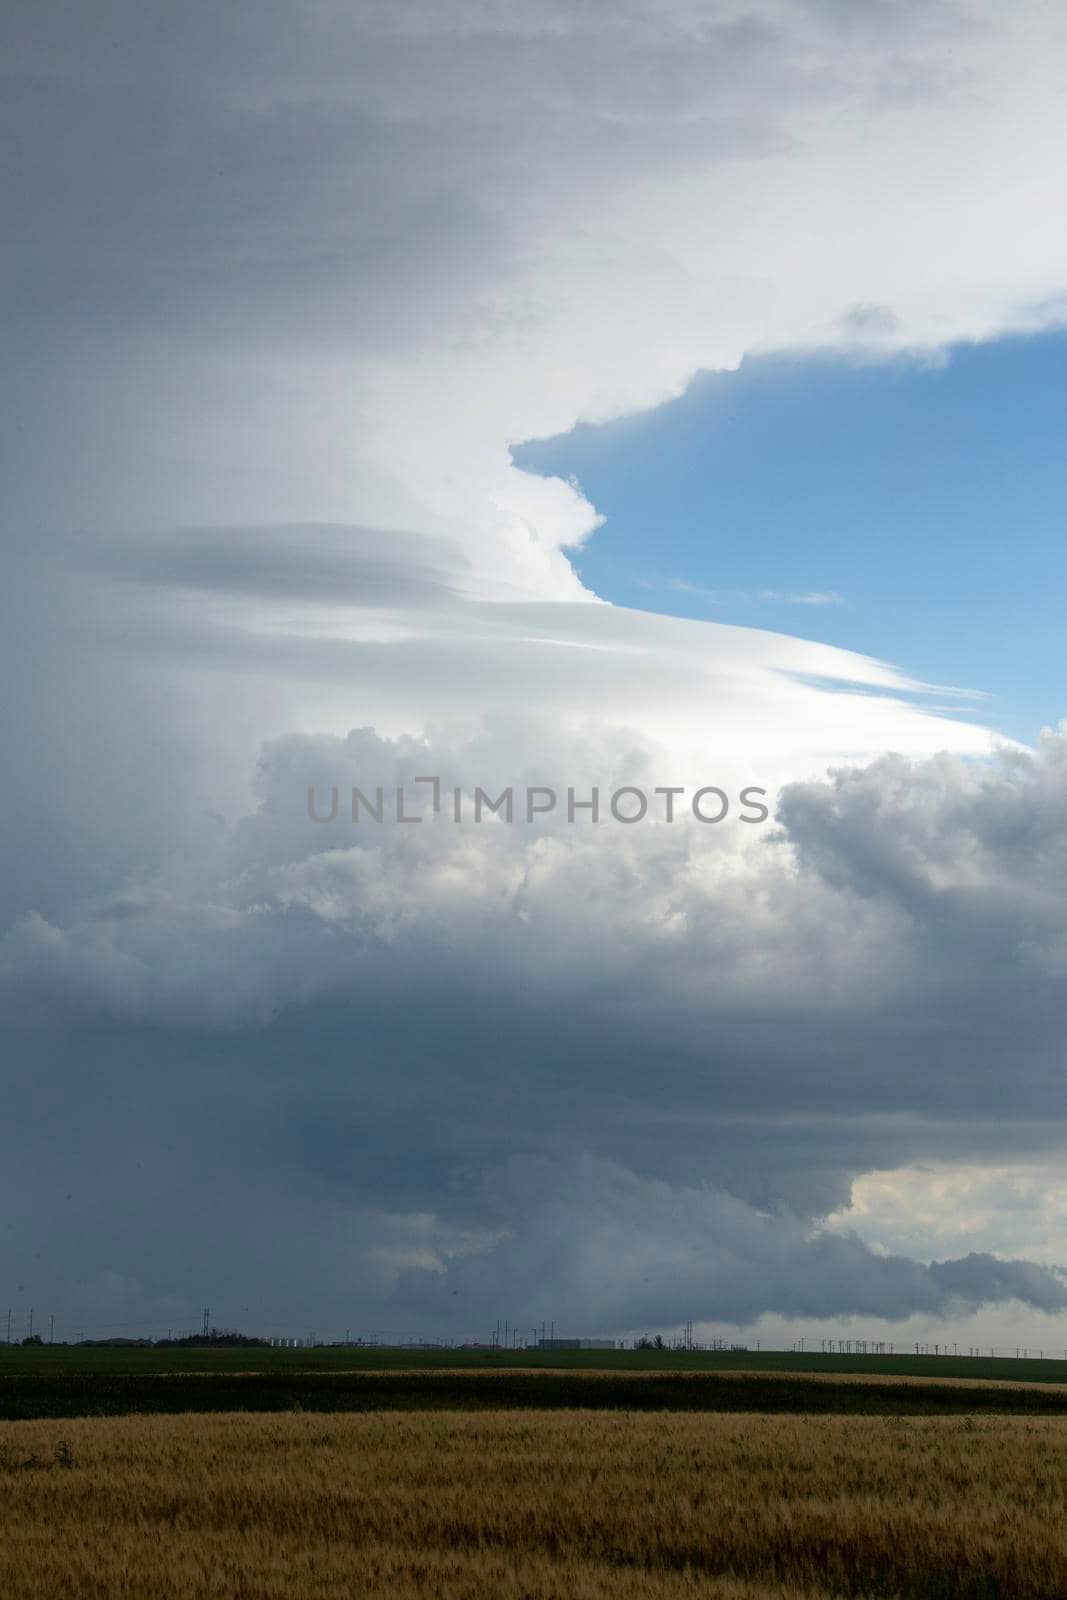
(421,236)
(1009,1207)
(806,597)
(720,597)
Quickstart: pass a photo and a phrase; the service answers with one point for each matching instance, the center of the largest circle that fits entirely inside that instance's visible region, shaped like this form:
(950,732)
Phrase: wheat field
(539,1505)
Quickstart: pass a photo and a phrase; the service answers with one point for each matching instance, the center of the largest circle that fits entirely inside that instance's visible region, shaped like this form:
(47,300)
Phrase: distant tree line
(214,1339)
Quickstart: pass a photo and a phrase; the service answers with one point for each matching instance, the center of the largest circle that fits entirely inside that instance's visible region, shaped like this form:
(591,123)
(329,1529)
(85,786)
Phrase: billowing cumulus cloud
(658,1047)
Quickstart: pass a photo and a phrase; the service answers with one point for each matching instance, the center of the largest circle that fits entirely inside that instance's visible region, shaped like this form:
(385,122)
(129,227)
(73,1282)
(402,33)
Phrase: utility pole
(9,1325)
(31,1322)
(51,1327)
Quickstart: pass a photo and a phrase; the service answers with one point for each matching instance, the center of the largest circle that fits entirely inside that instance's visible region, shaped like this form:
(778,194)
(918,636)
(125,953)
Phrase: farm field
(543,1505)
(107,1382)
(67,1392)
(382,1358)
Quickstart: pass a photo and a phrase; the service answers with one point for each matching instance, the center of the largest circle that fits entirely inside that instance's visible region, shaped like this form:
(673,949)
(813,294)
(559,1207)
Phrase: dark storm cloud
(689,1098)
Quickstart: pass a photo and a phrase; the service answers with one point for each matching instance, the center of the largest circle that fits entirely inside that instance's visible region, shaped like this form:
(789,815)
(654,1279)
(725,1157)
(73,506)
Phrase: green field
(70,1381)
(383,1358)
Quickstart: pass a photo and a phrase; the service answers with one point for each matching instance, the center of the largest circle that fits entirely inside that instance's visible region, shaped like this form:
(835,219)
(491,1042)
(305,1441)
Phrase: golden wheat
(543,1505)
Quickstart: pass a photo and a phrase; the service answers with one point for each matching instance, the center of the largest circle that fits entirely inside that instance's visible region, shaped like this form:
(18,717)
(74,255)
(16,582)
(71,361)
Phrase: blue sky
(929,498)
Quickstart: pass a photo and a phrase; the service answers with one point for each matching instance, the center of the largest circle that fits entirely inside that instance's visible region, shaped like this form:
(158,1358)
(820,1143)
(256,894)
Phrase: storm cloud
(656,1046)
(282,287)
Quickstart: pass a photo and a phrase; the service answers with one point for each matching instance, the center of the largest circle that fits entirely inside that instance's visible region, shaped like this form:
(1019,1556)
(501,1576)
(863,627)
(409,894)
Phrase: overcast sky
(284,287)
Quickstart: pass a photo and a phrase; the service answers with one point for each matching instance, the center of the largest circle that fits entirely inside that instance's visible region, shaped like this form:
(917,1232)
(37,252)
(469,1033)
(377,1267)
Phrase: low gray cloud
(621,1251)
(870,321)
(342,566)
(643,1066)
